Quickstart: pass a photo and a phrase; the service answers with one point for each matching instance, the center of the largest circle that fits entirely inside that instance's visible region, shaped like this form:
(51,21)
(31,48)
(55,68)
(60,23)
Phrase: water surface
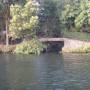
(50,71)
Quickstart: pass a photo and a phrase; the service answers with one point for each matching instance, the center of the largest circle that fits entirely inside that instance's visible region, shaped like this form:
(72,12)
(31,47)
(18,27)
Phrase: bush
(82,49)
(33,46)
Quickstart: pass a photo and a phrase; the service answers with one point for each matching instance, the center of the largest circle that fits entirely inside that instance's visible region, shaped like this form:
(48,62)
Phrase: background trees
(76,15)
(50,16)
(49,19)
(24,19)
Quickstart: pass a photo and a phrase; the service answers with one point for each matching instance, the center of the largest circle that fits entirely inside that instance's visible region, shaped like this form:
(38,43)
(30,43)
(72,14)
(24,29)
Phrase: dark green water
(45,72)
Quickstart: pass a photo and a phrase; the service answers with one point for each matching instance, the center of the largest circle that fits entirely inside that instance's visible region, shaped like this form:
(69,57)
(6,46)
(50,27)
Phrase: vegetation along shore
(24,22)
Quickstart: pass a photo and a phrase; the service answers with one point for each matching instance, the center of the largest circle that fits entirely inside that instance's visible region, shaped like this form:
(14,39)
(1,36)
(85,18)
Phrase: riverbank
(70,46)
(33,46)
(8,49)
(76,46)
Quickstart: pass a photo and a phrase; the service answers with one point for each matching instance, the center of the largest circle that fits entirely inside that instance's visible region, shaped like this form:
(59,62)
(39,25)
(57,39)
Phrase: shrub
(82,49)
(33,46)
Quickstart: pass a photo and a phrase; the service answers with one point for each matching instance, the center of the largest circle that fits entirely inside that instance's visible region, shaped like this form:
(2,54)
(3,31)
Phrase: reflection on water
(45,72)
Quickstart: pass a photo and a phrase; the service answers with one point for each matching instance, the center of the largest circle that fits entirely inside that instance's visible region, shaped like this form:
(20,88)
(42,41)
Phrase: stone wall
(71,44)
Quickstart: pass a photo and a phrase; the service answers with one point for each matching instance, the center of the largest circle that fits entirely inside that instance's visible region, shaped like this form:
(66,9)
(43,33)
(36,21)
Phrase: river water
(50,71)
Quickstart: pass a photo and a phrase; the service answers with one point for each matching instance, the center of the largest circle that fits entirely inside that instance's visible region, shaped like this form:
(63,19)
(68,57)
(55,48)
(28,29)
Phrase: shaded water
(45,72)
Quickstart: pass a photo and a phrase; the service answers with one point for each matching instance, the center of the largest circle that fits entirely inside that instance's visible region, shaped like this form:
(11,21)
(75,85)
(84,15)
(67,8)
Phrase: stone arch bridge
(63,44)
(53,44)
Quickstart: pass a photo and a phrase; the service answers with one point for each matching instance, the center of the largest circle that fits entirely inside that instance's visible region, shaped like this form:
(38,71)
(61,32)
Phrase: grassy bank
(9,49)
(33,46)
(77,35)
(82,48)
(78,42)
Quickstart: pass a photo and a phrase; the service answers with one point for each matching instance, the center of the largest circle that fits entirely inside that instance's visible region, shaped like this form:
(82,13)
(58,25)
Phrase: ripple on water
(45,72)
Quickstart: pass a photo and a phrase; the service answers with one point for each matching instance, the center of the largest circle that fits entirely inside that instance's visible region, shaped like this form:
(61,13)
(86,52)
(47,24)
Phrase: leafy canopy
(24,19)
(77,15)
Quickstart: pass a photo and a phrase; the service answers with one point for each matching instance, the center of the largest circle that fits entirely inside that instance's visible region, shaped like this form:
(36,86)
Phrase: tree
(49,19)
(69,14)
(82,21)
(1,16)
(76,15)
(24,19)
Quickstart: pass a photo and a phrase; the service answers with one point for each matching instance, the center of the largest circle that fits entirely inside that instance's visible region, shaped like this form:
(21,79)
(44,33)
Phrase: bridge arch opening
(53,44)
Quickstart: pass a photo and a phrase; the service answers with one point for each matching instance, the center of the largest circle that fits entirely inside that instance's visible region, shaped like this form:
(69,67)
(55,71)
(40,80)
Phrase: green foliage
(77,15)
(79,21)
(83,19)
(50,19)
(33,46)
(1,6)
(77,35)
(24,19)
(69,14)
(82,49)
(50,8)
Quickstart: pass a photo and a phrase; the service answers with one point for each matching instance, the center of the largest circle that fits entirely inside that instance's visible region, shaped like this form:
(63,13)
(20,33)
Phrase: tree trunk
(7,28)
(7,23)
